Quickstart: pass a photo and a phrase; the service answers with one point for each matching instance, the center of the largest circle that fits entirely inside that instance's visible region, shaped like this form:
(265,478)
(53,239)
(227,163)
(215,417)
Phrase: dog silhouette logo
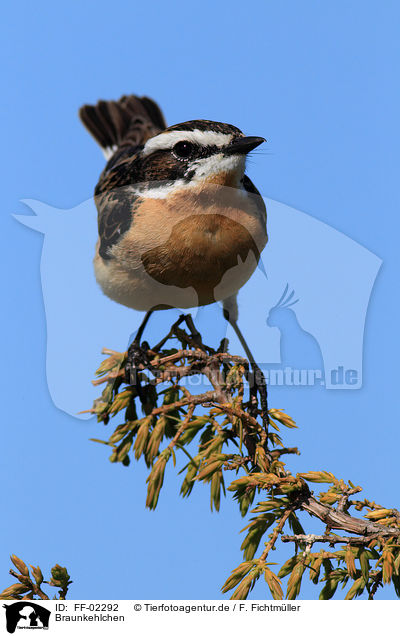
(26,615)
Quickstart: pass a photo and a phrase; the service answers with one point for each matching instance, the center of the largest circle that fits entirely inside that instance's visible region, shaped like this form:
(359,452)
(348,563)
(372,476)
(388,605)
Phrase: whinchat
(180,224)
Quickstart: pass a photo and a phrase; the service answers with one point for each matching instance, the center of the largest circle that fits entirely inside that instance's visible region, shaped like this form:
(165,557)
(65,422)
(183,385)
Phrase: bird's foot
(137,360)
(223,346)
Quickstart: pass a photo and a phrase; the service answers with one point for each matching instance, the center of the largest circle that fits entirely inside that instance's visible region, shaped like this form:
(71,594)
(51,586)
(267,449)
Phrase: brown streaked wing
(116,210)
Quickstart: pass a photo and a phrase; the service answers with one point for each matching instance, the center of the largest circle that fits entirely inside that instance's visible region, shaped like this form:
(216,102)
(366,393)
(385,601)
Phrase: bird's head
(193,153)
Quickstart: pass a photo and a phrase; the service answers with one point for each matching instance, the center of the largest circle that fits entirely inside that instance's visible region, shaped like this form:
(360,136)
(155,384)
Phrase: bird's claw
(137,357)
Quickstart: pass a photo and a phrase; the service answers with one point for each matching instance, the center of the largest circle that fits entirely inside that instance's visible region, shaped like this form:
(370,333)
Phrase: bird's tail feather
(129,121)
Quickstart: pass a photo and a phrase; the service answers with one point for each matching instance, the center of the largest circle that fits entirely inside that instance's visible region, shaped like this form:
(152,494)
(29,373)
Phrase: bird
(180,224)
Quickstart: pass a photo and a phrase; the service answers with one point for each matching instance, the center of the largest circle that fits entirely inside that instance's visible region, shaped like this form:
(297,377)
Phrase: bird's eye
(183,149)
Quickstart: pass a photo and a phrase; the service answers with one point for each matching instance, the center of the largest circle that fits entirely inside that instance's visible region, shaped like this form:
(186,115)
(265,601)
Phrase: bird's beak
(243,145)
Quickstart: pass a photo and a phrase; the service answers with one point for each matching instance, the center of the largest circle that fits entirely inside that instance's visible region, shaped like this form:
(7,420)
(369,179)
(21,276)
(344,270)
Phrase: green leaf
(271,504)
(329,589)
(156,479)
(294,582)
(274,584)
(387,564)
(243,589)
(295,524)
(364,564)
(257,528)
(245,500)
(315,568)
(350,562)
(288,566)
(124,448)
(217,482)
(282,417)
(356,589)
(189,481)
(191,431)
(142,436)
(396,584)
(396,564)
(237,575)
(318,477)
(209,469)
(155,438)
(20,565)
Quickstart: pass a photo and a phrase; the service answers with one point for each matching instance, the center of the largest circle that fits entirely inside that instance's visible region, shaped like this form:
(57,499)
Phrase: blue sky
(318,81)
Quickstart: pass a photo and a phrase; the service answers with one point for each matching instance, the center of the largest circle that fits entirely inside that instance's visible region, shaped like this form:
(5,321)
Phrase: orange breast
(196,239)
(199,251)
(210,229)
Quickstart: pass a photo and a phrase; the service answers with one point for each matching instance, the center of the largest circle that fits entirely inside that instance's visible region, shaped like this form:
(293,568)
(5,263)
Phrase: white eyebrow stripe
(167,140)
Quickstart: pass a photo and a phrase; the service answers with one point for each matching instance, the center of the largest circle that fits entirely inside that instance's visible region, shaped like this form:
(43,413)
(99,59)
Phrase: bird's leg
(257,379)
(142,327)
(137,356)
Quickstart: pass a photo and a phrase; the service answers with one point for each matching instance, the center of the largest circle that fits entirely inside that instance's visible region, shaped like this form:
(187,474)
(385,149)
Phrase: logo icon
(26,615)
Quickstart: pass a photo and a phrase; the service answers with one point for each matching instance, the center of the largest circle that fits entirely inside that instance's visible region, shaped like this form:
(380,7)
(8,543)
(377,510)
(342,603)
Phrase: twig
(343,521)
(241,423)
(309,539)
(203,398)
(343,502)
(278,529)
(182,428)
(374,588)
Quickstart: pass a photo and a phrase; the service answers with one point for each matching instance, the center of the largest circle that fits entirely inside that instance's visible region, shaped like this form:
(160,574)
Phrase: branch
(239,416)
(331,539)
(29,586)
(203,398)
(342,521)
